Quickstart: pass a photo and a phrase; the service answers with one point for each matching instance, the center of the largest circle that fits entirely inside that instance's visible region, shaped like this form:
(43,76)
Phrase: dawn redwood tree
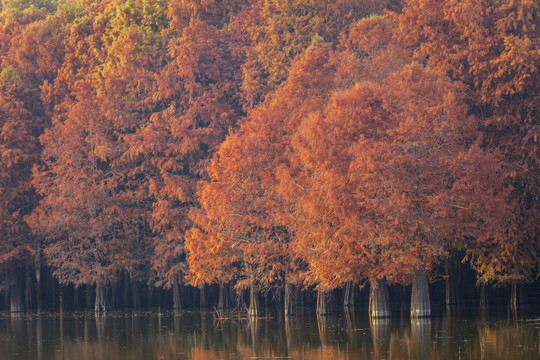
(491,47)
(387,170)
(197,102)
(93,211)
(18,151)
(394,172)
(29,56)
(242,231)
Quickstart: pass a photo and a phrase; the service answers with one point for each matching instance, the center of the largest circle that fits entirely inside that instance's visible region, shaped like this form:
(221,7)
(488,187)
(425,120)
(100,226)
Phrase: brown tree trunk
(300,301)
(101,303)
(76,298)
(483,295)
(177,305)
(38,295)
(254,305)
(290,299)
(136,300)
(451,281)
(325,303)
(151,296)
(420,303)
(16,301)
(513,294)
(202,297)
(379,301)
(224,302)
(61,298)
(53,284)
(126,290)
(348,296)
(88,296)
(115,295)
(28,289)
(38,280)
(522,299)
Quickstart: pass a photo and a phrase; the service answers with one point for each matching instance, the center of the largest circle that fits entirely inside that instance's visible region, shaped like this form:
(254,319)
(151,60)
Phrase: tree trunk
(325,303)
(254,305)
(101,303)
(300,297)
(202,297)
(88,296)
(38,296)
(522,299)
(126,289)
(224,297)
(115,296)
(136,301)
(379,301)
(177,305)
(483,295)
(53,284)
(16,293)
(28,289)
(420,303)
(290,299)
(451,284)
(61,298)
(76,298)
(38,280)
(348,296)
(513,294)
(151,296)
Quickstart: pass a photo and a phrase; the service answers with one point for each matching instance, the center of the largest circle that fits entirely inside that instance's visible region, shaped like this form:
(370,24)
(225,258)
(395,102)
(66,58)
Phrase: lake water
(498,334)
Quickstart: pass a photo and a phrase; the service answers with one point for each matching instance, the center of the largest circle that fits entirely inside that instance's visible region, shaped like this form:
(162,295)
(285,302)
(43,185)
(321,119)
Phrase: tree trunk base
(101,303)
(177,305)
(379,301)
(16,302)
(254,305)
(224,302)
(420,302)
(451,283)
(325,303)
(483,295)
(513,294)
(348,296)
(290,299)
(202,298)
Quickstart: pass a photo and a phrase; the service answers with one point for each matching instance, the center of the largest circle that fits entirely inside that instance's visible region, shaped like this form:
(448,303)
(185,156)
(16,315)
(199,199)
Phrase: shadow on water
(491,334)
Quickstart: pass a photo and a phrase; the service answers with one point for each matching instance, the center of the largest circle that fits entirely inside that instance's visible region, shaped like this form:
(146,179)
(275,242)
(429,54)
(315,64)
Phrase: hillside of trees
(243,153)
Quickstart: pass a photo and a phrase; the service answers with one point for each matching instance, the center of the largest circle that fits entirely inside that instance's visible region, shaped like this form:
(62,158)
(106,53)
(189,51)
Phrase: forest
(245,154)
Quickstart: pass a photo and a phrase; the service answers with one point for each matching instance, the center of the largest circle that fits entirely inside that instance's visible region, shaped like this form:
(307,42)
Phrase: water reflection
(200,336)
(380,332)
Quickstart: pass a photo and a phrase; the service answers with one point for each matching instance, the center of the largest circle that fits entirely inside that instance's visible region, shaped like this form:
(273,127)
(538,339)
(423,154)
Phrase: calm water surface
(202,336)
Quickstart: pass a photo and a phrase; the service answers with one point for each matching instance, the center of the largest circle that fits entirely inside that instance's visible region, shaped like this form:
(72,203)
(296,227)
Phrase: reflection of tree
(322,323)
(253,327)
(39,338)
(351,322)
(380,331)
(290,332)
(299,337)
(328,326)
(101,320)
(421,336)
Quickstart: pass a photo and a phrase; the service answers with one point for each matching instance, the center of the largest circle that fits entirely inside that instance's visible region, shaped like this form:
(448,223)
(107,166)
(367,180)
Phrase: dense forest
(229,153)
